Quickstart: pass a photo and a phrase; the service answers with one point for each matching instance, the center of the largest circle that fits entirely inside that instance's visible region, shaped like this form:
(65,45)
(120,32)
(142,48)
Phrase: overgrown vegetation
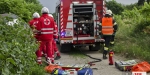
(132,39)
(17,46)
(22,8)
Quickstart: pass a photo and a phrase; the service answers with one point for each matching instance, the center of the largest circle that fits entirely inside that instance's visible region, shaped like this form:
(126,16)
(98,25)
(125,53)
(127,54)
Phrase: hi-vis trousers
(47,47)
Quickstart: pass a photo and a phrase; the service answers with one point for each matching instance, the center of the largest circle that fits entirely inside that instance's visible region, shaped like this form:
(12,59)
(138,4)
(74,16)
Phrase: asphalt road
(102,68)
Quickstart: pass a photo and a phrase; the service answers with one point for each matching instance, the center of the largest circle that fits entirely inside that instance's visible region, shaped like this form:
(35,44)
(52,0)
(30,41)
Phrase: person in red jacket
(45,29)
(33,25)
(54,42)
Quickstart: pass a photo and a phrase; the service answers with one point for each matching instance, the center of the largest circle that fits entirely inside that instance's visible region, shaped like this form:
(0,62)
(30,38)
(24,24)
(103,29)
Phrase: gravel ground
(102,67)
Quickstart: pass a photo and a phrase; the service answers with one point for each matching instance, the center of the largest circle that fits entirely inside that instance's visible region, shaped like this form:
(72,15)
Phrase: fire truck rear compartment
(83,26)
(83,23)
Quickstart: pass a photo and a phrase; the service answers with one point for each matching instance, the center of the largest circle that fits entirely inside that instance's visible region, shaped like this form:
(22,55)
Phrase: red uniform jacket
(56,32)
(46,27)
(33,24)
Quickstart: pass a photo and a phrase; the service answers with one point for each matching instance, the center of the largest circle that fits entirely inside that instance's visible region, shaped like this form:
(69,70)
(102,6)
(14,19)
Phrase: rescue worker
(33,25)
(113,36)
(107,28)
(46,28)
(54,41)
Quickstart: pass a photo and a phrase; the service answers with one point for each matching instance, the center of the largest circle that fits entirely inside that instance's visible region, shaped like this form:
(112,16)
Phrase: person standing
(112,40)
(46,28)
(33,25)
(107,28)
(54,41)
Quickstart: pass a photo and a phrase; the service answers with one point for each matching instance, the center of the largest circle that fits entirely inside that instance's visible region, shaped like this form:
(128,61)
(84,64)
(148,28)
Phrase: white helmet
(36,15)
(109,12)
(44,10)
(50,15)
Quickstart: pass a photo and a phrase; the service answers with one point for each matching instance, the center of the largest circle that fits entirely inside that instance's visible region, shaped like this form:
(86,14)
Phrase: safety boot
(39,60)
(57,57)
(104,56)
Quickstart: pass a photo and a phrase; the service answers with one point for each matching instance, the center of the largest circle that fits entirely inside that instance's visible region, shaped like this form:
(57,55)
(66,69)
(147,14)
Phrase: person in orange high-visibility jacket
(112,40)
(107,28)
(54,42)
(45,29)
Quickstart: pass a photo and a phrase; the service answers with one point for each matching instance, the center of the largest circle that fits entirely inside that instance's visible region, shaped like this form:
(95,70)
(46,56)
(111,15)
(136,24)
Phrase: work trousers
(113,38)
(46,46)
(107,39)
(55,49)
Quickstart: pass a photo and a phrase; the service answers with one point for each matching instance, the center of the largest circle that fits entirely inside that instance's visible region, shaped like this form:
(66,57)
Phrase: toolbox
(125,65)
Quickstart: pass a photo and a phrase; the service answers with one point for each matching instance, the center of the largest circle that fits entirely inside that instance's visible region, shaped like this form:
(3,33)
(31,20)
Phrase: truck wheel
(65,48)
(95,48)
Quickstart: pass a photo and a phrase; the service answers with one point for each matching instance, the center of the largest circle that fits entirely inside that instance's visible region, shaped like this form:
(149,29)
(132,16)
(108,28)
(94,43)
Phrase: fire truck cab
(77,22)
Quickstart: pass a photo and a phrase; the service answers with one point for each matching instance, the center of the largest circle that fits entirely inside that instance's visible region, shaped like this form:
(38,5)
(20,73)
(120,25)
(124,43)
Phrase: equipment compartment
(83,21)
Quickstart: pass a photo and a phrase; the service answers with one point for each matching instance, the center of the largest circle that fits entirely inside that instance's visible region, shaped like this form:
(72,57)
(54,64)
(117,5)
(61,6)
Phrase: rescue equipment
(125,65)
(141,67)
(51,67)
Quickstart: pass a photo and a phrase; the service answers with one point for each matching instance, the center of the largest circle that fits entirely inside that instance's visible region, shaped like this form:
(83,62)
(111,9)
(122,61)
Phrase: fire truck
(77,22)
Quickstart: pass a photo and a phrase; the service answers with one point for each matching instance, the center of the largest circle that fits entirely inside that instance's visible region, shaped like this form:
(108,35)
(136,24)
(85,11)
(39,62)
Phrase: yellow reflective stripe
(56,72)
(46,32)
(112,42)
(106,48)
(115,23)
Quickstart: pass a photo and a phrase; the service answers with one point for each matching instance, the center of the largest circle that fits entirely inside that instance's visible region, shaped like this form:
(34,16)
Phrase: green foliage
(114,6)
(23,8)
(133,34)
(141,2)
(17,50)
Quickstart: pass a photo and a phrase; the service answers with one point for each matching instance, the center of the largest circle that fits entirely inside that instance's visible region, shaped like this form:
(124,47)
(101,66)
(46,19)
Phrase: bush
(17,50)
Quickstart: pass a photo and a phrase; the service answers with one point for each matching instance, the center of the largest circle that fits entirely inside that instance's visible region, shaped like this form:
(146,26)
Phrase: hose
(91,62)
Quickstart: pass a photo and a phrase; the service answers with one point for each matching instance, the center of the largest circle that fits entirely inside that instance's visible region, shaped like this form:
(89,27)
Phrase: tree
(23,8)
(141,2)
(114,6)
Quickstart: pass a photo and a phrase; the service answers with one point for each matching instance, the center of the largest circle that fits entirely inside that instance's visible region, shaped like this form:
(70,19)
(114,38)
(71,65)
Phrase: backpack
(85,71)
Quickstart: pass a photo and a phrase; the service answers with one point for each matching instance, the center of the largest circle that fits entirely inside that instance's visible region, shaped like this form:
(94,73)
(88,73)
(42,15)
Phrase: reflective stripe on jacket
(107,26)
(56,31)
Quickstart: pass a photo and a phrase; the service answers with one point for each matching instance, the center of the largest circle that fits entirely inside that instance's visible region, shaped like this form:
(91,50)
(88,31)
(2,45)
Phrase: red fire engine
(78,21)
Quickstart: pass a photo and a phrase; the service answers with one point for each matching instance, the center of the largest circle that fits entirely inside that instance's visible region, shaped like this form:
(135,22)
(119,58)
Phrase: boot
(39,60)
(104,54)
(57,57)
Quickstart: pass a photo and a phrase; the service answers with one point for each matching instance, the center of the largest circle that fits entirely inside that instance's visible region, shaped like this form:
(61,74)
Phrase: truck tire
(65,48)
(96,48)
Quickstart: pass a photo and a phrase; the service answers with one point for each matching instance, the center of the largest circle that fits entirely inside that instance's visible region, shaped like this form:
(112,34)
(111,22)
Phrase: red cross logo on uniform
(35,23)
(47,21)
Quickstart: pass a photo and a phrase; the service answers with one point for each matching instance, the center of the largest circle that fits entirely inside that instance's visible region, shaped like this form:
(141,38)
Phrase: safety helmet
(50,15)
(36,15)
(109,12)
(45,10)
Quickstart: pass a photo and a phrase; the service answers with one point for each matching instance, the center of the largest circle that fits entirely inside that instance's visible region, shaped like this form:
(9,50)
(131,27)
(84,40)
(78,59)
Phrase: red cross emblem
(47,21)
